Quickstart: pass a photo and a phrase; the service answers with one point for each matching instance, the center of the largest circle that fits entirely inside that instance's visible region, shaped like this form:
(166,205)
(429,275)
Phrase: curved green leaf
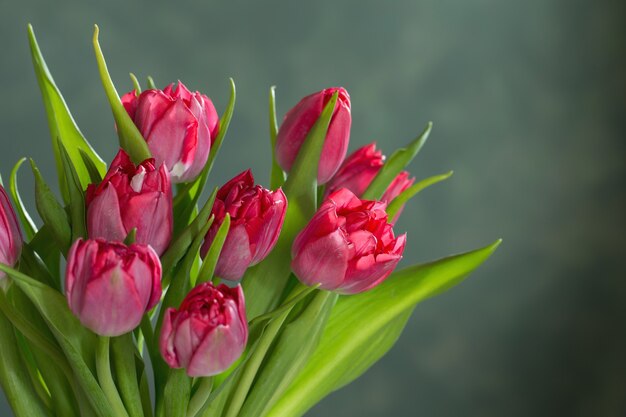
(397,203)
(277,177)
(130,137)
(394,165)
(363,327)
(63,128)
(27,221)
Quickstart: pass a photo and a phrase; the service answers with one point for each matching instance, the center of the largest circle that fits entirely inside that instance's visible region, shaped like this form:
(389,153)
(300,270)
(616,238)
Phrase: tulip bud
(132,197)
(178,125)
(348,246)
(256,218)
(208,332)
(357,171)
(299,121)
(109,286)
(10,236)
(400,183)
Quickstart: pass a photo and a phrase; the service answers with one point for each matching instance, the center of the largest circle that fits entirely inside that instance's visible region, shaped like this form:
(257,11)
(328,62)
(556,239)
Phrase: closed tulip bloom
(109,286)
(178,125)
(256,218)
(10,236)
(132,197)
(299,121)
(348,246)
(208,332)
(357,171)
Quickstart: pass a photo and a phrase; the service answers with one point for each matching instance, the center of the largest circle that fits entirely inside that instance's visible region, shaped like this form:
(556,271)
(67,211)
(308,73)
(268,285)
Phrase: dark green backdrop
(528,104)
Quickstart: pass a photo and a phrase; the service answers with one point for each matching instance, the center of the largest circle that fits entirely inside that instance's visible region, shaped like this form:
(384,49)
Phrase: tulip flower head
(179,127)
(257,216)
(357,171)
(208,332)
(299,121)
(10,236)
(132,197)
(110,286)
(348,247)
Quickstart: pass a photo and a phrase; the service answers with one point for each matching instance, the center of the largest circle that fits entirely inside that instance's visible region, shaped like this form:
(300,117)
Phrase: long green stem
(201,395)
(103,368)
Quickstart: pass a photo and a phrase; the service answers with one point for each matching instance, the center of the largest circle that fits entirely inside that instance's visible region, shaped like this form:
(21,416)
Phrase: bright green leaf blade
(14,378)
(268,279)
(394,165)
(123,358)
(77,197)
(150,82)
(95,176)
(290,354)
(27,221)
(135,83)
(63,128)
(366,325)
(397,203)
(177,393)
(130,137)
(277,177)
(210,260)
(51,211)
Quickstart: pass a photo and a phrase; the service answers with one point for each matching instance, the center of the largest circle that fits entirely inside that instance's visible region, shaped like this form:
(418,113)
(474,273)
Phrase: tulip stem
(103,368)
(200,396)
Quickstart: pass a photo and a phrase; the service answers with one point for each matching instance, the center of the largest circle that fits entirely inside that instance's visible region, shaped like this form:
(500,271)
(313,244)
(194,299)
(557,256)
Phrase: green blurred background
(528,101)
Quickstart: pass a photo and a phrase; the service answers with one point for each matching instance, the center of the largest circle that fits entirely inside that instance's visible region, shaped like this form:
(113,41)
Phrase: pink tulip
(256,218)
(299,121)
(348,246)
(208,332)
(132,197)
(109,286)
(357,171)
(178,125)
(10,236)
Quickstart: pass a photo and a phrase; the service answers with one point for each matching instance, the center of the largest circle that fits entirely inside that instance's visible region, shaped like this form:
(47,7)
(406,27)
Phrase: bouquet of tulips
(139,296)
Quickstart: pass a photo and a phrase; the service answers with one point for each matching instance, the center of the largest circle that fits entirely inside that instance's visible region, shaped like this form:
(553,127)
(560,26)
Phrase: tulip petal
(103,216)
(235,256)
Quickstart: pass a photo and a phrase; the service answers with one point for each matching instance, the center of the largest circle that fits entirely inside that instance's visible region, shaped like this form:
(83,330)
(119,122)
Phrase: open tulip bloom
(256,301)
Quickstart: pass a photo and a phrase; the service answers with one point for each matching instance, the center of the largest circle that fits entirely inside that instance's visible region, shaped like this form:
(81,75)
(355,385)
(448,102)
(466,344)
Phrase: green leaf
(178,248)
(77,198)
(51,212)
(397,203)
(363,327)
(394,165)
(77,343)
(27,221)
(45,246)
(14,378)
(130,137)
(210,260)
(177,393)
(150,82)
(268,279)
(136,85)
(94,175)
(63,128)
(277,177)
(290,354)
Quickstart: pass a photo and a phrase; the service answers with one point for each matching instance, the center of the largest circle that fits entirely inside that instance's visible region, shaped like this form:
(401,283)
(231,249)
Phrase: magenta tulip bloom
(132,197)
(348,246)
(208,332)
(178,125)
(256,218)
(10,236)
(357,171)
(400,183)
(109,286)
(299,121)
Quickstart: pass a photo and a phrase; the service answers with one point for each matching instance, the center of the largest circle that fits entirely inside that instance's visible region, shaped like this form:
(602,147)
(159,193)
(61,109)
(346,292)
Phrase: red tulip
(10,236)
(109,286)
(132,197)
(256,218)
(299,121)
(357,171)
(400,183)
(208,332)
(178,125)
(348,246)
